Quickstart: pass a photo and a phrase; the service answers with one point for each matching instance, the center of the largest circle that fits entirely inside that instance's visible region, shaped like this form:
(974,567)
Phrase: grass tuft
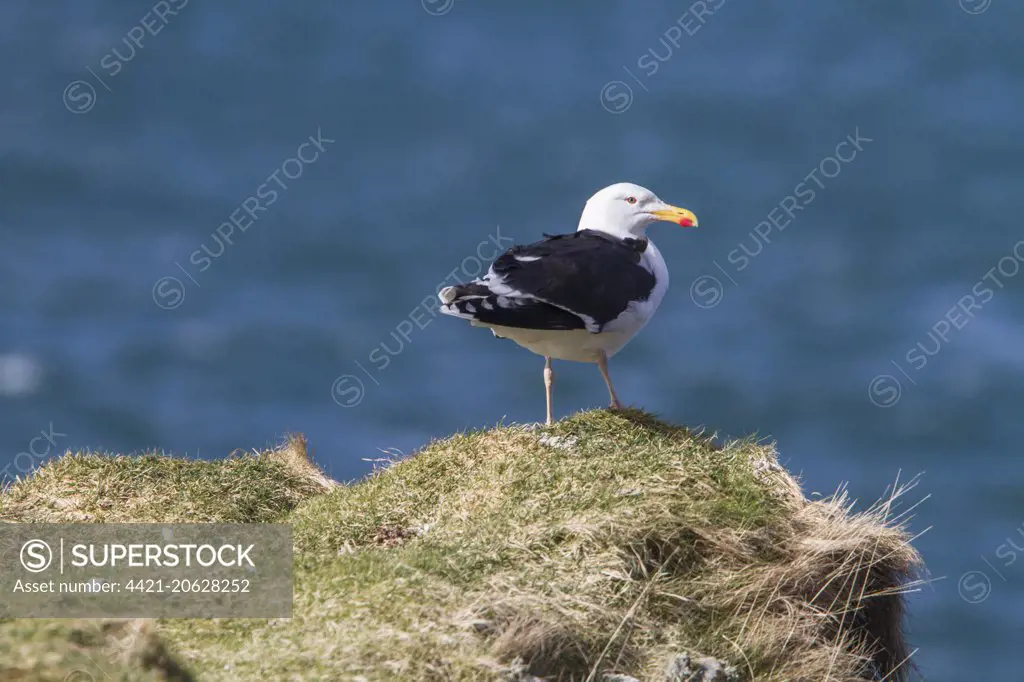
(102,488)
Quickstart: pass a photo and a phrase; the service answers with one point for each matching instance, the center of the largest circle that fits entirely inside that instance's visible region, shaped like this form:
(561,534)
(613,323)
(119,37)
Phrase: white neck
(593,219)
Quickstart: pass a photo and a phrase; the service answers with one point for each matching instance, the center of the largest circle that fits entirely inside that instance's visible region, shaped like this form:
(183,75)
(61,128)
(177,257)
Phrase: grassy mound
(610,543)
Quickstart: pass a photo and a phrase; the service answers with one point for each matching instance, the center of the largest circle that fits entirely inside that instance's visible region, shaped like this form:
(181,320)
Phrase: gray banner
(145,570)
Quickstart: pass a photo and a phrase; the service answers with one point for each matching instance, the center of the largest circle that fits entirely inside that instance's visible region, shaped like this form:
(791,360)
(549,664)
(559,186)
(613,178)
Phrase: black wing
(582,280)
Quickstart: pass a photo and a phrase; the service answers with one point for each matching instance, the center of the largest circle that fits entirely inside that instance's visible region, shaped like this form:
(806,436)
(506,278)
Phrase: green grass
(157,488)
(608,543)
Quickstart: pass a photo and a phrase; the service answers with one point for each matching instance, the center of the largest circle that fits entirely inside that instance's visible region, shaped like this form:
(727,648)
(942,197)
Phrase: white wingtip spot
(447,295)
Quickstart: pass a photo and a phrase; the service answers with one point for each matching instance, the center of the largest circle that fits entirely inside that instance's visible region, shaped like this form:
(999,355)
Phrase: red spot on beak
(686,222)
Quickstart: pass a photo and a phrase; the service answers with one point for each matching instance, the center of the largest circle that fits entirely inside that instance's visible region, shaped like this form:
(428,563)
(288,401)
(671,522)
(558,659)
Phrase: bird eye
(630,200)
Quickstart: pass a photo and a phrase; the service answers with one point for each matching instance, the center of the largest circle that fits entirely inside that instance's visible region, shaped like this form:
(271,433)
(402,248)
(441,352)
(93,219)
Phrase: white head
(625,210)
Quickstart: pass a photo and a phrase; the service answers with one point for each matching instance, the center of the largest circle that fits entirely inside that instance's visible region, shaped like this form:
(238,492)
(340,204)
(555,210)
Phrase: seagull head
(625,210)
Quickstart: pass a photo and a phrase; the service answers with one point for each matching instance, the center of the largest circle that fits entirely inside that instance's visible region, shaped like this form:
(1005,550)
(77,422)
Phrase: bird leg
(602,363)
(549,382)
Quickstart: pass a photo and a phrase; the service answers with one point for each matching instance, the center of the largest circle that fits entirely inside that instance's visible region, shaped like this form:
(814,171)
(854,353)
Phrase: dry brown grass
(609,543)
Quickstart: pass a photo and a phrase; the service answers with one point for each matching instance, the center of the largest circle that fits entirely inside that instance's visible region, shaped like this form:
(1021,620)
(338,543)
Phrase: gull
(579,296)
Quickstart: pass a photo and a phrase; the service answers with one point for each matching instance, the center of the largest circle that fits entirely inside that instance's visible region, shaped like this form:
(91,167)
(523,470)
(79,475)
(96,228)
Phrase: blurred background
(131,133)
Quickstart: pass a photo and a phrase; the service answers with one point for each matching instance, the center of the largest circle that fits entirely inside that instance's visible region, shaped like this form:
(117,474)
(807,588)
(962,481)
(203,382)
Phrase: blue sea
(224,222)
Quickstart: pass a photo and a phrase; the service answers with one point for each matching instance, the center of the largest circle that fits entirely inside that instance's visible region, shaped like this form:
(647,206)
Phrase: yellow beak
(674,214)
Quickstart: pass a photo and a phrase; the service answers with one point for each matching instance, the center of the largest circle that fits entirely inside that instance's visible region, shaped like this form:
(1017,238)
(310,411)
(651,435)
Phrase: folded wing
(582,280)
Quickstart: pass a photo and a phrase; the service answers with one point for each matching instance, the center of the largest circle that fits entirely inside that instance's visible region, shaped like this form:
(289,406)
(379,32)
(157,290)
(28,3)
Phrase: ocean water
(854,291)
